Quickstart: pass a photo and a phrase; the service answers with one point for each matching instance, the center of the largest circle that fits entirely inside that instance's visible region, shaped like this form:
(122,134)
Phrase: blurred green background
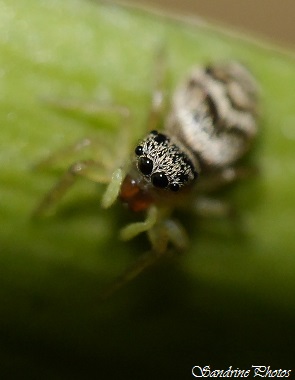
(228,301)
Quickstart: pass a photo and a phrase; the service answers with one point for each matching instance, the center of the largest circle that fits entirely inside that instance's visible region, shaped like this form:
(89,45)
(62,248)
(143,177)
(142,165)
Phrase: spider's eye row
(145,165)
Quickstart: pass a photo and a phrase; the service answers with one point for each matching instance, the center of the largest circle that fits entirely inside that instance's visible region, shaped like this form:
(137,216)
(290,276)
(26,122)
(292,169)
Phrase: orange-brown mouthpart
(132,195)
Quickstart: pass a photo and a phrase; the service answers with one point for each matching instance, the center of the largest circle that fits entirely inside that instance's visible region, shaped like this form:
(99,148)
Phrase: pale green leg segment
(158,96)
(97,170)
(158,238)
(133,229)
(176,234)
(168,230)
(210,207)
(88,108)
(144,261)
(160,233)
(112,191)
(88,169)
(71,153)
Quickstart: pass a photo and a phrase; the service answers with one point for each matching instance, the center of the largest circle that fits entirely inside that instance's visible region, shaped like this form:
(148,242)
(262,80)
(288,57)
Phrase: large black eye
(145,165)
(160,180)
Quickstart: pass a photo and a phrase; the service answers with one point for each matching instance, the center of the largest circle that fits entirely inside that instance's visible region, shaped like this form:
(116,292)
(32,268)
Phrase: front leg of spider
(160,233)
(88,169)
(113,189)
(100,168)
(168,231)
(160,230)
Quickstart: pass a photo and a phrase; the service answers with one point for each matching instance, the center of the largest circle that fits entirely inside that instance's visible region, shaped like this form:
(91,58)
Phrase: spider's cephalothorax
(164,163)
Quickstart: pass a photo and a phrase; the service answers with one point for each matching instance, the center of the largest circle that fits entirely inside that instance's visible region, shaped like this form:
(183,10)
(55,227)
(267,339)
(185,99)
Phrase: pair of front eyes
(158,179)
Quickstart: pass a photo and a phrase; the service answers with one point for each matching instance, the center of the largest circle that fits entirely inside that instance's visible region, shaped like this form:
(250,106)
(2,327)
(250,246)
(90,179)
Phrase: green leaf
(207,306)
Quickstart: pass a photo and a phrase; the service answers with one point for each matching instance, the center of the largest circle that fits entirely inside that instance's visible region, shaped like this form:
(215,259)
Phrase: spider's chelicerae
(210,126)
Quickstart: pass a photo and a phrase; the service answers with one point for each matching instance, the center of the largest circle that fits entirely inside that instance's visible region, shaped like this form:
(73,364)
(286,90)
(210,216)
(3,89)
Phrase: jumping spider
(210,126)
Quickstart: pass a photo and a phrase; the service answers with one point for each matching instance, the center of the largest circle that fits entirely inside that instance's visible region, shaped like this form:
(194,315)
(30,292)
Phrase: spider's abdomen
(214,113)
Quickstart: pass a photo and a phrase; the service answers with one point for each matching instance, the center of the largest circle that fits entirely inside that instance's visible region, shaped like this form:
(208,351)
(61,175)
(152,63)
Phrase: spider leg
(112,191)
(133,229)
(95,148)
(207,206)
(92,146)
(227,176)
(88,169)
(211,207)
(157,106)
(88,108)
(161,230)
(176,234)
(99,168)
(160,234)
(143,262)
(96,109)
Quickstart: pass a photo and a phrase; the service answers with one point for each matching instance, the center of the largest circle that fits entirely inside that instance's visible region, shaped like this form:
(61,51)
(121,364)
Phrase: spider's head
(163,163)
